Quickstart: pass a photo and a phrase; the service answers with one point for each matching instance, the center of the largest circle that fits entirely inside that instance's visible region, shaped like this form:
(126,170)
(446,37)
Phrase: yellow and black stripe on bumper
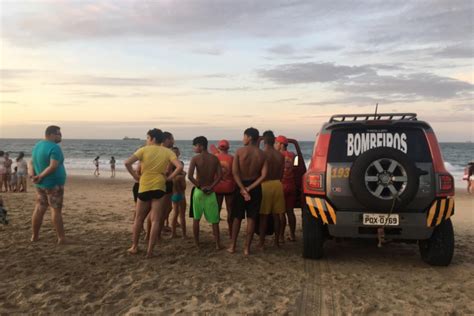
(440,210)
(321,208)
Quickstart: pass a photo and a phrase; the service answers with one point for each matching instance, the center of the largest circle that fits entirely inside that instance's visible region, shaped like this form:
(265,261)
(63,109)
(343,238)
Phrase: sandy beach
(94,274)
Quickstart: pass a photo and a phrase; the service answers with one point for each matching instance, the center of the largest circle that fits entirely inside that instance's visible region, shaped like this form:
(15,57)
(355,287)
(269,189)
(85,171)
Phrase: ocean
(80,153)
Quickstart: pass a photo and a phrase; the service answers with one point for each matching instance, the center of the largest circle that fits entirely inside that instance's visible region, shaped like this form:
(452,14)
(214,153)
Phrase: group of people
(13,174)
(112,163)
(254,183)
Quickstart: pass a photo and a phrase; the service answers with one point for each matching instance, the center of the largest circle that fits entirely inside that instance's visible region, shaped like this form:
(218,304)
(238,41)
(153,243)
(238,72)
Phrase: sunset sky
(107,69)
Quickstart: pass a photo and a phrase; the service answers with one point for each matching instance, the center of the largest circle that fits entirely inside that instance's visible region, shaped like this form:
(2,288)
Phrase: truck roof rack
(375,117)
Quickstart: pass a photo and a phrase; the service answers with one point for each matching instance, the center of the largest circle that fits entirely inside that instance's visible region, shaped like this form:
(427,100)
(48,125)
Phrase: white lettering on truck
(358,143)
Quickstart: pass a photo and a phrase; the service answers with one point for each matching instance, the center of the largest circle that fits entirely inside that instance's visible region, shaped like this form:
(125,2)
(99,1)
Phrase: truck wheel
(439,249)
(381,173)
(313,235)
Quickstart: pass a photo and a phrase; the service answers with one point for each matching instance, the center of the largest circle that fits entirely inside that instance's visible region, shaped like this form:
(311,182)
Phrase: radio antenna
(376,109)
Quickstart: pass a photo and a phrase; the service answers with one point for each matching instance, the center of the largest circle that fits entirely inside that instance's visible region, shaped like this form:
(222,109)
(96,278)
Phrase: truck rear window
(348,144)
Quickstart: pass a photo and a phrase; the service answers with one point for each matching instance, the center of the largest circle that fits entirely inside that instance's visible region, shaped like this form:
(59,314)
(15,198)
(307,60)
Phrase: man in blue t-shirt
(49,176)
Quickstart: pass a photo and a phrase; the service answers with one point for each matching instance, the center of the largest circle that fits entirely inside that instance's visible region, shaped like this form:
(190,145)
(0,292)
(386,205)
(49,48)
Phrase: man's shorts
(273,199)
(242,208)
(50,197)
(205,204)
(290,196)
(176,198)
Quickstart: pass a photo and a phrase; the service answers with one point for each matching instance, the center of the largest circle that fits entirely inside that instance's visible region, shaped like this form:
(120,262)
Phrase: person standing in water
(96,164)
(112,166)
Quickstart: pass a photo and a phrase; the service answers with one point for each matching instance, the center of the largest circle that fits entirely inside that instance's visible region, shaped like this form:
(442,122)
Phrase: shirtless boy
(209,173)
(249,169)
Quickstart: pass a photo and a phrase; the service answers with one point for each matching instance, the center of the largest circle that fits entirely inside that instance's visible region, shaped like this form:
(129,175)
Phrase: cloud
(311,72)
(282,49)
(463,50)
(365,79)
(423,86)
(352,100)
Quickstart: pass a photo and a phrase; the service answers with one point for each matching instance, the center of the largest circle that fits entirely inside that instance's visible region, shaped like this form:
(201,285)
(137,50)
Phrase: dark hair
(167,135)
(253,133)
(53,129)
(20,156)
(156,134)
(201,140)
(16,168)
(175,148)
(269,138)
(2,153)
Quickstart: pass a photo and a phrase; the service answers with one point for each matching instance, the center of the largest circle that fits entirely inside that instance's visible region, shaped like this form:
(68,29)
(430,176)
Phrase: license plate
(381,220)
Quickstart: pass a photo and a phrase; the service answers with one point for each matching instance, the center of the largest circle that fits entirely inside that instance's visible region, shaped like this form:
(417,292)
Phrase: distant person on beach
(112,166)
(154,159)
(469,176)
(3,170)
(14,180)
(226,187)
(208,174)
(273,197)
(96,164)
(46,170)
(8,172)
(179,200)
(22,172)
(289,187)
(249,169)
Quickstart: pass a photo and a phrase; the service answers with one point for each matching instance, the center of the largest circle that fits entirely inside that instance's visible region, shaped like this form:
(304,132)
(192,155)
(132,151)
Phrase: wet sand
(94,274)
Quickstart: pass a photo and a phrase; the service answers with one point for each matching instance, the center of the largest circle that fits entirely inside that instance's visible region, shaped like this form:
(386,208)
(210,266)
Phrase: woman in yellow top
(154,160)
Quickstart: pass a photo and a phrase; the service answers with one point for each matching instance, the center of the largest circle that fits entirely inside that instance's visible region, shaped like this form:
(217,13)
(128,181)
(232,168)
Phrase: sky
(109,69)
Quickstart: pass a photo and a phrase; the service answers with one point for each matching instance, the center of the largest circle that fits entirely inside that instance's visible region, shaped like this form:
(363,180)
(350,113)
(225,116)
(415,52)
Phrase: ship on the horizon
(130,138)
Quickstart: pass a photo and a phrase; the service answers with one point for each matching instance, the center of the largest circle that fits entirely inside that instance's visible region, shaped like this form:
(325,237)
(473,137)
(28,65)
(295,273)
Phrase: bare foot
(231,250)
(292,239)
(246,252)
(196,243)
(34,238)
(133,250)
(219,246)
(62,242)
(149,255)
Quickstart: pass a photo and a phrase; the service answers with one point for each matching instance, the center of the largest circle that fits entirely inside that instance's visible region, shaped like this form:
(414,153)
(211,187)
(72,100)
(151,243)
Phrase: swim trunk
(249,209)
(290,196)
(176,198)
(169,187)
(151,195)
(50,197)
(205,204)
(273,198)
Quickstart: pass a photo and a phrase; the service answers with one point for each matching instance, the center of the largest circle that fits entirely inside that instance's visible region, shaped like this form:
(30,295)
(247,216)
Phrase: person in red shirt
(289,188)
(226,187)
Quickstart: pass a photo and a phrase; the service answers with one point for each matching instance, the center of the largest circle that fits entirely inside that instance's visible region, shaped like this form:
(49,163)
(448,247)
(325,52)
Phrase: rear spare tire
(381,174)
